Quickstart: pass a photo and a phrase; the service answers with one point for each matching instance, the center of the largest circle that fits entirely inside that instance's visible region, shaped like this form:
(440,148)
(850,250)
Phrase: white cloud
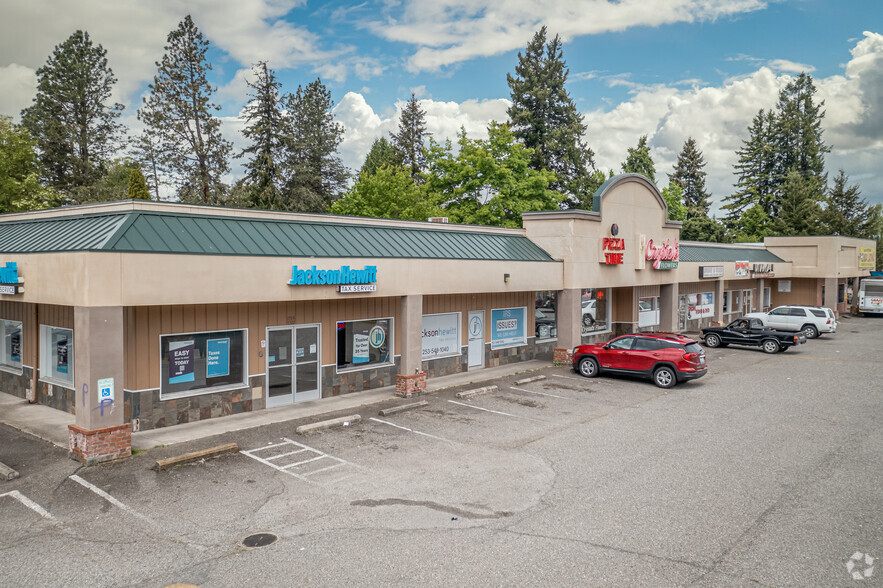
(19,85)
(787,66)
(451,31)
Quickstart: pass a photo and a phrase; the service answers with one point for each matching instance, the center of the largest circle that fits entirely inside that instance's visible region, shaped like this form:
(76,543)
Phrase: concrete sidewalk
(51,425)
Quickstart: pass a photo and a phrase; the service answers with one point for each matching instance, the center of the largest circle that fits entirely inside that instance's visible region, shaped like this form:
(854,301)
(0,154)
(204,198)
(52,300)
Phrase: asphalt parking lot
(768,471)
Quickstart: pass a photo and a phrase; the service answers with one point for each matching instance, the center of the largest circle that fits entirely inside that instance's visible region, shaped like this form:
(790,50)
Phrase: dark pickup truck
(750,331)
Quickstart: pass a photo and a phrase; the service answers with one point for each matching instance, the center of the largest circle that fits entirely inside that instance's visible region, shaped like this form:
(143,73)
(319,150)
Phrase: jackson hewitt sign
(349,279)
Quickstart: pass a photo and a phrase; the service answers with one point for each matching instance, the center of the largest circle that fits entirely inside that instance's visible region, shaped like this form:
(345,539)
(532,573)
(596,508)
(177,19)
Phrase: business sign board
(612,250)
(441,335)
(9,279)
(867,258)
(762,270)
(664,255)
(711,271)
(741,269)
(344,276)
(508,327)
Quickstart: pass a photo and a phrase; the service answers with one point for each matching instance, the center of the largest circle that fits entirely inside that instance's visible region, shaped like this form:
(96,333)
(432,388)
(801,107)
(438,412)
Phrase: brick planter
(408,386)
(92,447)
(563,356)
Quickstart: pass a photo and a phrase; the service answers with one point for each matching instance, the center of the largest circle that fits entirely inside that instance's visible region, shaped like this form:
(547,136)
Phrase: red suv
(666,358)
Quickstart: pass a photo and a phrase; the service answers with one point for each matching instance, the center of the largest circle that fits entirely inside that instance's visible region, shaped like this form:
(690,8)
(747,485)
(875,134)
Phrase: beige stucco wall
(133,279)
(635,207)
(821,257)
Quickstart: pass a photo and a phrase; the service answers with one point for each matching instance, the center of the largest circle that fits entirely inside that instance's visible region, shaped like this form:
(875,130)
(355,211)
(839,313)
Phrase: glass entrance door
(292,364)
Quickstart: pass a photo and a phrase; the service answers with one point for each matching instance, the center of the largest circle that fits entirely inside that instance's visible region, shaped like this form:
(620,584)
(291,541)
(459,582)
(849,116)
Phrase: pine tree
(138,186)
(410,139)
(265,126)
(639,161)
(688,175)
(316,175)
(178,113)
(756,170)
(545,119)
(381,154)
(145,151)
(847,213)
(799,211)
(75,129)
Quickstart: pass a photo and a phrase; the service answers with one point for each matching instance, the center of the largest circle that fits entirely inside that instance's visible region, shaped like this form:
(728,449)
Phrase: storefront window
(198,363)
(10,344)
(648,313)
(546,315)
(595,310)
(57,355)
(364,343)
(441,335)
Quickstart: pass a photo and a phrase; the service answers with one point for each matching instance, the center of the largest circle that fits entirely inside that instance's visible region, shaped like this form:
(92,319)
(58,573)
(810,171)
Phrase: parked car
(751,332)
(589,312)
(544,325)
(665,358)
(812,320)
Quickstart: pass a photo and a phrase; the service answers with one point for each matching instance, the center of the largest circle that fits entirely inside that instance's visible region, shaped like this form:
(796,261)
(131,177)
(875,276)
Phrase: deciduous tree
(389,192)
(20,187)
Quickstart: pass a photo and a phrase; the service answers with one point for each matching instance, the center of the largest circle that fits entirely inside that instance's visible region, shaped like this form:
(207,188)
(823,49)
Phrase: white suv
(812,320)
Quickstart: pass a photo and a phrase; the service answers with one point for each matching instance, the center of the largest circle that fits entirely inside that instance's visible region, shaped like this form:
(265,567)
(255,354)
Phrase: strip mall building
(136,315)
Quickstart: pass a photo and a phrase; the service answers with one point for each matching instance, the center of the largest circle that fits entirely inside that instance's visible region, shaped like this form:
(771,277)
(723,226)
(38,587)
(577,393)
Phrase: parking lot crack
(452,510)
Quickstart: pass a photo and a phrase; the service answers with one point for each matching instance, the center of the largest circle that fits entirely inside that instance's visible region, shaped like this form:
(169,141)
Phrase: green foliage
(545,119)
(20,187)
(389,192)
(639,161)
(799,211)
(786,140)
(673,195)
(74,127)
(264,129)
(382,153)
(755,225)
(315,175)
(181,129)
(704,228)
(847,213)
(688,175)
(488,182)
(137,186)
(410,139)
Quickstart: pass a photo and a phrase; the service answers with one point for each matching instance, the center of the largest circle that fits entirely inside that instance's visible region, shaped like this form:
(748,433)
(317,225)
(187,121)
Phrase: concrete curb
(403,408)
(338,422)
(476,391)
(6,472)
(529,380)
(218,451)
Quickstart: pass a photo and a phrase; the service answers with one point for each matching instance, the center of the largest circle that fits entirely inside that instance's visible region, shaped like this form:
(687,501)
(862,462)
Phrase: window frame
(163,396)
(10,367)
(45,338)
(368,365)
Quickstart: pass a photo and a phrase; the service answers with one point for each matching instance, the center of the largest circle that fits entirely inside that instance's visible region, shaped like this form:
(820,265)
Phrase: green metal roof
(141,231)
(711,253)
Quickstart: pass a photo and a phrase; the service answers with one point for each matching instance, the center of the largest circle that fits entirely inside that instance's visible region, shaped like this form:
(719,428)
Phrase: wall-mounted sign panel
(741,269)
(441,334)
(762,270)
(663,255)
(320,277)
(867,258)
(711,271)
(612,250)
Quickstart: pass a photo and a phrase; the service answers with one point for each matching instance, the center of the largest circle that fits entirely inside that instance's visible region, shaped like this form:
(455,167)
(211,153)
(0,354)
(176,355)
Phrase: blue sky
(665,68)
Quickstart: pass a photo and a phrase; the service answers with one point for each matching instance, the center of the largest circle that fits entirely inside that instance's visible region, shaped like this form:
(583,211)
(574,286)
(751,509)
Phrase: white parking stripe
(410,430)
(496,411)
(30,504)
(540,393)
(300,476)
(569,377)
(109,498)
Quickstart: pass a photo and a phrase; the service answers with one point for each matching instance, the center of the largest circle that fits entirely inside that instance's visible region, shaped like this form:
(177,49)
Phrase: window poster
(700,305)
(441,334)
(181,362)
(508,327)
(217,358)
(360,347)
(15,346)
(61,356)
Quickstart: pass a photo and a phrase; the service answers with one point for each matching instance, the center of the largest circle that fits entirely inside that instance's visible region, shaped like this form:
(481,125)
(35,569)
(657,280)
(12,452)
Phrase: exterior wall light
(506,278)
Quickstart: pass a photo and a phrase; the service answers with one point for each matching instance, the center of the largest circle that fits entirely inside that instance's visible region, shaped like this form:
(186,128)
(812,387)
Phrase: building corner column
(100,433)
(719,302)
(569,325)
(411,379)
